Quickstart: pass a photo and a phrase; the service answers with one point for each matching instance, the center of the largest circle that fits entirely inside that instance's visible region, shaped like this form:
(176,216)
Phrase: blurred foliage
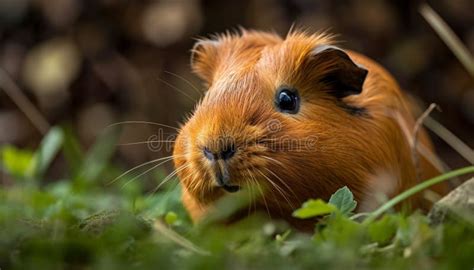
(90,64)
(83,222)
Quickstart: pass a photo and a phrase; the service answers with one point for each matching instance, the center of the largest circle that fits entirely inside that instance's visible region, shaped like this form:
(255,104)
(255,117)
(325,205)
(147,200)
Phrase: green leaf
(171,218)
(72,150)
(280,238)
(48,149)
(343,200)
(314,208)
(98,156)
(341,231)
(383,230)
(17,162)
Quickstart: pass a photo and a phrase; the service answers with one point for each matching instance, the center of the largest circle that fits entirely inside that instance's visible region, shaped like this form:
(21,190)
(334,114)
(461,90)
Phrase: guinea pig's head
(274,118)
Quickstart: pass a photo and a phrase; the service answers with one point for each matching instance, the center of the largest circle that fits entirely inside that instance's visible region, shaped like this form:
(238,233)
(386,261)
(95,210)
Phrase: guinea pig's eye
(287,100)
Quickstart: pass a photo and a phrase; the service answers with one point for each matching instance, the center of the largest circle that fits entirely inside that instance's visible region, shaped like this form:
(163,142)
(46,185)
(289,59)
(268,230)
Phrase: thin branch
(452,140)
(23,103)
(449,37)
(416,130)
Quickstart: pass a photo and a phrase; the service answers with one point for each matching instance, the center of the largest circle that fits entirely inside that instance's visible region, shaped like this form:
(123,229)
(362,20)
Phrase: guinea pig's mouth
(231,188)
(223,178)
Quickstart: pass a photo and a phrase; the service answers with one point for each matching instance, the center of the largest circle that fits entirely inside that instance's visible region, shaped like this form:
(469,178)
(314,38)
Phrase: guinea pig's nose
(208,154)
(224,154)
(228,152)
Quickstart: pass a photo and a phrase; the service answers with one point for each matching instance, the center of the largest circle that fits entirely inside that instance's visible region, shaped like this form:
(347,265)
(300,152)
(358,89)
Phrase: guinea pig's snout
(220,166)
(224,154)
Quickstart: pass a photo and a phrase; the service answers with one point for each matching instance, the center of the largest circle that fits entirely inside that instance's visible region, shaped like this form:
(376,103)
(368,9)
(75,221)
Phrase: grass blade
(49,148)
(449,37)
(72,150)
(178,239)
(410,192)
(452,140)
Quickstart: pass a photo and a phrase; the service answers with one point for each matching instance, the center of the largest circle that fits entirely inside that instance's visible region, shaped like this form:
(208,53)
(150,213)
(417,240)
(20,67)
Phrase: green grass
(82,221)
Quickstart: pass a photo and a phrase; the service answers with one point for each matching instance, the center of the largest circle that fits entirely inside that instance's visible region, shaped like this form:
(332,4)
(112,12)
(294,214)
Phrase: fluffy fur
(369,152)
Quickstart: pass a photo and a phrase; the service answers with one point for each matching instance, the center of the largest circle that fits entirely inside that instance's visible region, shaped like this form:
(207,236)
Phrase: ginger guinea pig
(299,118)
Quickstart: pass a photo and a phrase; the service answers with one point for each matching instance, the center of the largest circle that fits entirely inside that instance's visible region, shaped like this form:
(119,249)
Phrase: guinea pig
(299,118)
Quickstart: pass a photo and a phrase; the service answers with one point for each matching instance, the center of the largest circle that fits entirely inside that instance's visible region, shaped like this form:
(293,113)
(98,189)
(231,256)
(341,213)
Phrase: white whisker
(146,142)
(261,192)
(278,188)
(142,122)
(281,181)
(183,79)
(137,167)
(169,177)
(177,89)
(145,172)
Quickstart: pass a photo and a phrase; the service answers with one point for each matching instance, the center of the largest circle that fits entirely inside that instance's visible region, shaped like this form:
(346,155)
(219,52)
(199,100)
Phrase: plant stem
(24,104)
(410,192)
(449,37)
(452,140)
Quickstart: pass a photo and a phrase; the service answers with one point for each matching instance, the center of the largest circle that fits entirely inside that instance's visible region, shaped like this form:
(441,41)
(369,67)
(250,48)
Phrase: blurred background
(89,64)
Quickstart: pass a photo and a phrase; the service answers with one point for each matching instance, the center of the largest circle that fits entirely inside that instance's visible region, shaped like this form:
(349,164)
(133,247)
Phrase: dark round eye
(287,100)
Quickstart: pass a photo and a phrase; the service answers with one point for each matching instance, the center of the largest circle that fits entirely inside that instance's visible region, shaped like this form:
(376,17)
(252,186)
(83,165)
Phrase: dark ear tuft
(204,57)
(343,75)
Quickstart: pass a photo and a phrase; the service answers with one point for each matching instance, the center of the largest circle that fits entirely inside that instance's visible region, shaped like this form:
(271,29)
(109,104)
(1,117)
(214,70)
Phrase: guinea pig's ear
(343,75)
(204,58)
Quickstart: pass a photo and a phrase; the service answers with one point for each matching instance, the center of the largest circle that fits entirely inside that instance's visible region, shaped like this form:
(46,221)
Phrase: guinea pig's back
(384,98)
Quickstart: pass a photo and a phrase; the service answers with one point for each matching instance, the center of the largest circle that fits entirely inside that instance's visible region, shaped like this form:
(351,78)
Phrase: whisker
(169,177)
(278,188)
(283,182)
(252,194)
(141,122)
(261,192)
(137,167)
(184,80)
(247,181)
(279,178)
(177,89)
(146,142)
(254,202)
(167,194)
(273,195)
(145,172)
(272,159)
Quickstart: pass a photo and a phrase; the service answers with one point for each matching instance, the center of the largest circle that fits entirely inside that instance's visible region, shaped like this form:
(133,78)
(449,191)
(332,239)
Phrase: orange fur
(368,153)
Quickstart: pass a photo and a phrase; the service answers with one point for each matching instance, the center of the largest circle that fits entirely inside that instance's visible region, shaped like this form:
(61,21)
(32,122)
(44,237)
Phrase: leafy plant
(343,200)
(79,222)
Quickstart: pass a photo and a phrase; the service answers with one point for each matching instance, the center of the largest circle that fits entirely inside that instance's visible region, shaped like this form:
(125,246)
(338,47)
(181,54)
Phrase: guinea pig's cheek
(179,152)
(183,158)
